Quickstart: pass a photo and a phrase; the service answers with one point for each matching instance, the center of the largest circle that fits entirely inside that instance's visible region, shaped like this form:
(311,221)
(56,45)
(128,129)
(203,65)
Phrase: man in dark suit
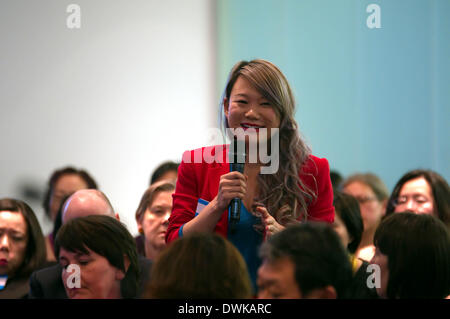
(47,283)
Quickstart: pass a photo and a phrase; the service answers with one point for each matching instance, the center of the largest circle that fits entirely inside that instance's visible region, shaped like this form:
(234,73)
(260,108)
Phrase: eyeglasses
(419,200)
(364,199)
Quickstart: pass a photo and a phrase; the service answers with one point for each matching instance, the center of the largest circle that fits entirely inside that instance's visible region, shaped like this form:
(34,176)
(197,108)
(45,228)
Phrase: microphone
(237,158)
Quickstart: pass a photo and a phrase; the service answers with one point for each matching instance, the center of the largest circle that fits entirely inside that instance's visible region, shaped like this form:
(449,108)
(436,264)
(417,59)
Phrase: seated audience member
(200,266)
(349,226)
(22,247)
(47,283)
(413,255)
(152,217)
(61,184)
(106,255)
(165,171)
(304,261)
(422,192)
(336,179)
(371,194)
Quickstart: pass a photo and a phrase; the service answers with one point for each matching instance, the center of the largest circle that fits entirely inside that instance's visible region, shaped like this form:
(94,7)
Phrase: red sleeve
(184,199)
(316,175)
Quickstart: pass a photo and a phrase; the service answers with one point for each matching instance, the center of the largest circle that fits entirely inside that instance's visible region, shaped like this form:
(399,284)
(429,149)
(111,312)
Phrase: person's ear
(117,216)
(139,223)
(327,292)
(225,106)
(140,228)
(120,274)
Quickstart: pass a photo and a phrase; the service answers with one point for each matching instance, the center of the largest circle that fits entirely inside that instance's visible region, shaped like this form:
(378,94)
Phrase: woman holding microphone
(258,101)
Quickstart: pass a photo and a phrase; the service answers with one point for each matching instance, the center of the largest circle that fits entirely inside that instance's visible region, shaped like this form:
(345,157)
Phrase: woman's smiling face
(246,108)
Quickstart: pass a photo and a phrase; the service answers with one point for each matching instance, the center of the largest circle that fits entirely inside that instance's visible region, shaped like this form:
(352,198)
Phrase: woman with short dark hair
(413,253)
(22,247)
(106,255)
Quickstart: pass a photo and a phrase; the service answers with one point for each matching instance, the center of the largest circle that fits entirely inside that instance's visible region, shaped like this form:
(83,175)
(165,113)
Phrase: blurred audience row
(381,245)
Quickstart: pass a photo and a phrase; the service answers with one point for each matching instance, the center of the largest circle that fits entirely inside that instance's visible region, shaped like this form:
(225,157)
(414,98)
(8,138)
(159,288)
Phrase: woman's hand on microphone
(271,226)
(231,185)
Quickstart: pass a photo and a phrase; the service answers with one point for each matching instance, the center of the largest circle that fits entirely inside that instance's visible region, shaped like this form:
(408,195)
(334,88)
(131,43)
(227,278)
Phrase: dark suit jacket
(47,283)
(17,288)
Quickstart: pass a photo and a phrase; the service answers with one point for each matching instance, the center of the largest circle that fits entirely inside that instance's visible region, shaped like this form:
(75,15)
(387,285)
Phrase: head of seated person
(200,266)
(22,244)
(304,261)
(413,257)
(87,202)
(99,258)
(64,182)
(422,192)
(166,171)
(347,220)
(152,216)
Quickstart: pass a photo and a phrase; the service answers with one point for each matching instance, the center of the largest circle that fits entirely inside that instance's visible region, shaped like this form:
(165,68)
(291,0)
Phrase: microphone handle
(235,204)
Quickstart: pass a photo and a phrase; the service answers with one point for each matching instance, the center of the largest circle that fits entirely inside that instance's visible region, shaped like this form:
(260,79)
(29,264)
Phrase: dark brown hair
(107,237)
(418,251)
(439,188)
(200,266)
(90,182)
(347,208)
(317,252)
(162,169)
(35,255)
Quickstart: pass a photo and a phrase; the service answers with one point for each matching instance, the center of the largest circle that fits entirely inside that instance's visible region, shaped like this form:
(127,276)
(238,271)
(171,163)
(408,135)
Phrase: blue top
(247,240)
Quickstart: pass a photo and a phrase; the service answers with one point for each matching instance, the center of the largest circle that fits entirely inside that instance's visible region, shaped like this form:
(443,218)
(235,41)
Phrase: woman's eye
(242,101)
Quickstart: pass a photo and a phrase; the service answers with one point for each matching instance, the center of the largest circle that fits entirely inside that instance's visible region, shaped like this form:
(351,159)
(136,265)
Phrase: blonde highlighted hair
(283,193)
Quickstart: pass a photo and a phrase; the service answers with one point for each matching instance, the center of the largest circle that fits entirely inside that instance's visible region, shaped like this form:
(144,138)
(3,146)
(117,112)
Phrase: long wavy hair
(283,193)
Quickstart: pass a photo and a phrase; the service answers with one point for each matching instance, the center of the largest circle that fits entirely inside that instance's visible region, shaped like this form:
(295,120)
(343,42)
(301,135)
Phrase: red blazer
(201,180)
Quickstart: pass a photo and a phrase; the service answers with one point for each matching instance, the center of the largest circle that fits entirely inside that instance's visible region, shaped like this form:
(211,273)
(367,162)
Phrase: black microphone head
(236,151)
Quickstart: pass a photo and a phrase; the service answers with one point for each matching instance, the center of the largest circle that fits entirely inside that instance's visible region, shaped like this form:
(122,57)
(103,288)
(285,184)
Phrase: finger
(231,195)
(233,184)
(263,211)
(233,189)
(234,175)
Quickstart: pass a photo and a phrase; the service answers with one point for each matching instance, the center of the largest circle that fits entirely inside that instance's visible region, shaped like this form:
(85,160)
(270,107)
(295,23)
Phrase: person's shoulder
(211,149)
(315,165)
(53,271)
(213,154)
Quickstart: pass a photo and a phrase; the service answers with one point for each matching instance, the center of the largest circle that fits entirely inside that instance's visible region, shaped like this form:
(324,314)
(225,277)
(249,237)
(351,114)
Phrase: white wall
(132,87)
